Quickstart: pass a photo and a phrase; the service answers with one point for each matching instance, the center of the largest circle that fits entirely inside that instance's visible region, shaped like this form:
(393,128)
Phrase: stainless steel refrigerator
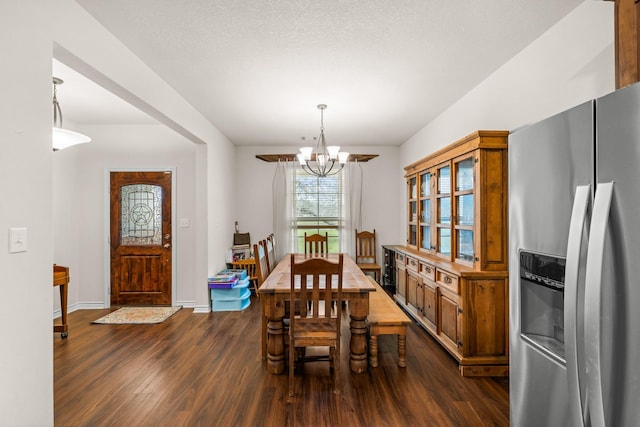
(574,275)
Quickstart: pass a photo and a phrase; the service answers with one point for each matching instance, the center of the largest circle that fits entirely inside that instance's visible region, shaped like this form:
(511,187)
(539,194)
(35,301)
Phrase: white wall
(222,191)
(569,64)
(81,205)
(83,44)
(66,217)
(380,198)
(26,363)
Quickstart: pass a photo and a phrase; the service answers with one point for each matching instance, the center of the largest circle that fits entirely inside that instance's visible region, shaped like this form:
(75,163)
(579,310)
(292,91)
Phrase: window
(318,208)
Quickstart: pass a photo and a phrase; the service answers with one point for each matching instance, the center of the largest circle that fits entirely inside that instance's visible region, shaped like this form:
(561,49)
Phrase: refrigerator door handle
(574,246)
(592,307)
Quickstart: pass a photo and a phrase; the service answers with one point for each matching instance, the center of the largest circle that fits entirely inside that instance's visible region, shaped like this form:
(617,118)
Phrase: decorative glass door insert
(141,211)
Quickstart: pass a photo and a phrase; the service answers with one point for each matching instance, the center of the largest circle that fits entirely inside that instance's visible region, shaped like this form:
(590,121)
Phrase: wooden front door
(141,238)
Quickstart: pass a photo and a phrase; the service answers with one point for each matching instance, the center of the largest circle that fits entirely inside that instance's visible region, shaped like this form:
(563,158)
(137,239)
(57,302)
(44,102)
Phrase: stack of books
(222,281)
(239,273)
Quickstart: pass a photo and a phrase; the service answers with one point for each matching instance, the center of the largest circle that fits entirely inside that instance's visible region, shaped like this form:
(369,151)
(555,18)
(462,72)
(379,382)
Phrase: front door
(140,238)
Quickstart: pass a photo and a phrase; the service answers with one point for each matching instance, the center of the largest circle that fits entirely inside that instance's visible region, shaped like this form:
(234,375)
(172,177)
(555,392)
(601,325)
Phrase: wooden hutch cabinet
(452,274)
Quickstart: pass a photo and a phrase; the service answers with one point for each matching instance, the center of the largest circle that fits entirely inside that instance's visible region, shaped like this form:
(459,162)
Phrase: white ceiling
(84,102)
(258,68)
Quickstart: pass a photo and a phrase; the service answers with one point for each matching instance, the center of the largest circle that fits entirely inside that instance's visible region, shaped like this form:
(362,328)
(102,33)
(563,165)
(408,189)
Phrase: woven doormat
(137,315)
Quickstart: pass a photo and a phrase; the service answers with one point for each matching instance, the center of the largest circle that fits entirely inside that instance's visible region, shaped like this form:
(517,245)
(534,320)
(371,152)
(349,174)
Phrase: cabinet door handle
(447,280)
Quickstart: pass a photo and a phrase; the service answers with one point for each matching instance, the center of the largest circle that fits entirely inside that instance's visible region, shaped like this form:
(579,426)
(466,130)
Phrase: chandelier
(323,161)
(63,138)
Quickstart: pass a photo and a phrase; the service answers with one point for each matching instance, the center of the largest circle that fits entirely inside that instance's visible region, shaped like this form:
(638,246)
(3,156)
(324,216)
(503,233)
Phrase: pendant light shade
(63,138)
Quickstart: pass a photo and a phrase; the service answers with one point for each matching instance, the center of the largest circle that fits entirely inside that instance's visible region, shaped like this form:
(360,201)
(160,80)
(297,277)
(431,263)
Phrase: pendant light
(63,138)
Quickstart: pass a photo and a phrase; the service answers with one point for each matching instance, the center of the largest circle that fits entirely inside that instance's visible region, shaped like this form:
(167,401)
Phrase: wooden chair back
(316,244)
(262,266)
(271,252)
(316,282)
(248,264)
(366,253)
(366,247)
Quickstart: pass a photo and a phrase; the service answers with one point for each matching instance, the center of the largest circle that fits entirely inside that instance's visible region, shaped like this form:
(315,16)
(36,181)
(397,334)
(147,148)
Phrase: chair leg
(291,368)
(402,350)
(263,338)
(373,351)
(336,370)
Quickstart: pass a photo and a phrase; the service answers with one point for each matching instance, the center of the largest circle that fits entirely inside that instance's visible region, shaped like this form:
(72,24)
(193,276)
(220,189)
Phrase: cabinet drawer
(400,258)
(412,263)
(448,281)
(428,271)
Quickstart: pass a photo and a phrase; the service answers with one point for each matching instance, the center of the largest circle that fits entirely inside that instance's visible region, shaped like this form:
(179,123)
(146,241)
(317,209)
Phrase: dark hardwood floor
(206,370)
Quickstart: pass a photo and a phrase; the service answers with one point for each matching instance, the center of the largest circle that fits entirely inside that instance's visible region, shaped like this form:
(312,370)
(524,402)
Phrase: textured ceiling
(258,68)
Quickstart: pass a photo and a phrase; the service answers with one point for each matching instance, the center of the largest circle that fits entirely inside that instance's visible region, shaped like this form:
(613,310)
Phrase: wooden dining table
(276,290)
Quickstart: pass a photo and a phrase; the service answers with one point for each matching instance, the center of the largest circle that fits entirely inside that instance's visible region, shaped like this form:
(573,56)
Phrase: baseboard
(79,306)
(202,309)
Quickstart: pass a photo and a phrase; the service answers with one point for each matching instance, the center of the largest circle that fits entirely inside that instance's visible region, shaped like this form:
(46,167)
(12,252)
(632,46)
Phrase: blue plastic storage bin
(228,303)
(235,292)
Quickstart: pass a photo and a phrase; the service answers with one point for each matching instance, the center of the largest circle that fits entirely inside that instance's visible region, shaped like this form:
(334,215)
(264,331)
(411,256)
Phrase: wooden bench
(386,318)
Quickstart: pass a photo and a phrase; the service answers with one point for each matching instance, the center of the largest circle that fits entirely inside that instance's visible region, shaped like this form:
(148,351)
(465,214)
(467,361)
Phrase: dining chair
(366,253)
(318,281)
(248,264)
(316,244)
(262,272)
(262,266)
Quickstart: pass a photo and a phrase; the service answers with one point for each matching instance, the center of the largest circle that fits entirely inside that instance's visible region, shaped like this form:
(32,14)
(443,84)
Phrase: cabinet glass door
(413,188)
(425,225)
(464,208)
(464,174)
(444,211)
(412,236)
(413,233)
(425,211)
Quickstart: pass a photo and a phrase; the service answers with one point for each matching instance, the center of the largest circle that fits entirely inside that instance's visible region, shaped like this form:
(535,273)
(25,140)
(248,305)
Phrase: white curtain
(352,204)
(284,218)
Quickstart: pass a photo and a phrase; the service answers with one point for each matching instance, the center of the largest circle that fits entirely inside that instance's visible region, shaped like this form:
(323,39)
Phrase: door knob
(167,236)
(167,245)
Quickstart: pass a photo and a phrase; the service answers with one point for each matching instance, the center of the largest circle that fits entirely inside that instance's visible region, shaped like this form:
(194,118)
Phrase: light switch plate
(184,222)
(17,240)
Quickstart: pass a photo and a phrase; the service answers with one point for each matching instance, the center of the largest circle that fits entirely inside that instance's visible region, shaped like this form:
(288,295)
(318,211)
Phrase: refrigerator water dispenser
(542,303)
